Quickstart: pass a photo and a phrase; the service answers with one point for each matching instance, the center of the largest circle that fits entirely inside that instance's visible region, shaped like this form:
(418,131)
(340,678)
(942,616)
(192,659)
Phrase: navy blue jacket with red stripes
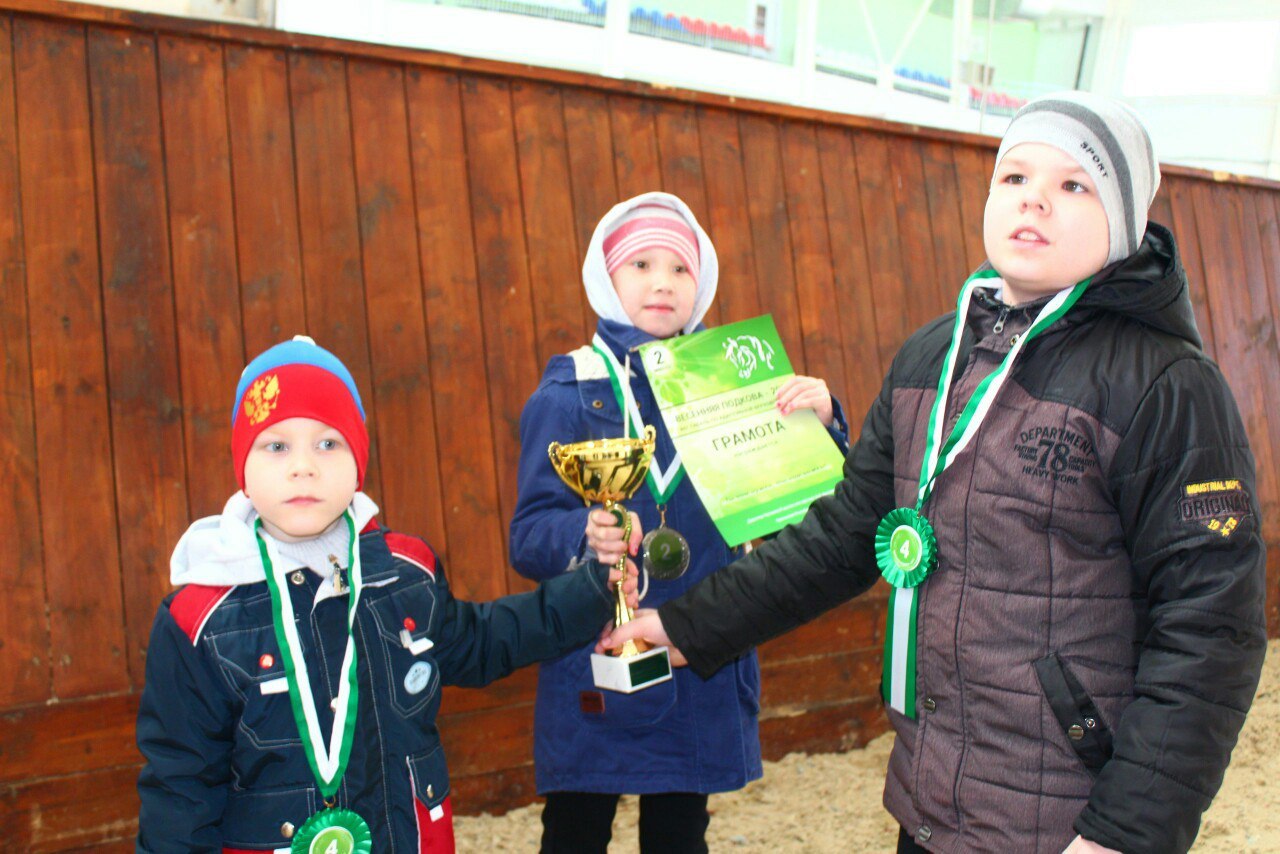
(226,770)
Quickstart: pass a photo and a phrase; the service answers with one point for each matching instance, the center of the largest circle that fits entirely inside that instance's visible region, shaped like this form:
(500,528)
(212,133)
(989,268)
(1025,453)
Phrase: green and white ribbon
(899,677)
(662,483)
(328,764)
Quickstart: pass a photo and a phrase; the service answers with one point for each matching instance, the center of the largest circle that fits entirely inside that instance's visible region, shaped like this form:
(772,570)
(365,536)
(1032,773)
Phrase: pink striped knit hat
(646,227)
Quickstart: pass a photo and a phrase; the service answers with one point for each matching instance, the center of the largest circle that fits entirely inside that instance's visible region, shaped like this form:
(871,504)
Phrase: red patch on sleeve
(413,550)
(192,606)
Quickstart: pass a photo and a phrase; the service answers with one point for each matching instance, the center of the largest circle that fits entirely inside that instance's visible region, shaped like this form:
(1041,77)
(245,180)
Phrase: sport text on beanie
(297,379)
(646,227)
(1109,142)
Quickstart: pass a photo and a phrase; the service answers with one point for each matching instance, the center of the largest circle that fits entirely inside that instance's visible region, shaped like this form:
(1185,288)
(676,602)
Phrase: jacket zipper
(1004,315)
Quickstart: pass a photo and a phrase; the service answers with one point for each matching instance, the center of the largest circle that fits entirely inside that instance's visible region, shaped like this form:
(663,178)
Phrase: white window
(1203,58)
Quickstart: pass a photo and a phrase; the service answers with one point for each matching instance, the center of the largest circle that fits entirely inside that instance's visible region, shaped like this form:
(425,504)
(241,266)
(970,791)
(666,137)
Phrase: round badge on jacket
(417,677)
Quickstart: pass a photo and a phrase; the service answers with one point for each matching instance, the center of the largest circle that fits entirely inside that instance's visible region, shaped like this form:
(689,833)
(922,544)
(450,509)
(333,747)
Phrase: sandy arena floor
(831,802)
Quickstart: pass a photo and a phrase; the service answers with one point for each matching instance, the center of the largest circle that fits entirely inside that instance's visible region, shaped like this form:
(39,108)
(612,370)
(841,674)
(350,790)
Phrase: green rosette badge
(906,548)
(333,831)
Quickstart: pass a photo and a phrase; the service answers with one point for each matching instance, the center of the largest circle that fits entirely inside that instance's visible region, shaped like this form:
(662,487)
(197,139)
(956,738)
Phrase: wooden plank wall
(176,196)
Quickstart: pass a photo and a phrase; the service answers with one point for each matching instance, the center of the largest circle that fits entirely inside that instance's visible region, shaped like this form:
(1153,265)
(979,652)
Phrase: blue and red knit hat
(297,379)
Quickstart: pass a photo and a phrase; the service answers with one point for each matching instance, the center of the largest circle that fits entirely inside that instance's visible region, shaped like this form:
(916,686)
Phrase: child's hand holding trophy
(607,471)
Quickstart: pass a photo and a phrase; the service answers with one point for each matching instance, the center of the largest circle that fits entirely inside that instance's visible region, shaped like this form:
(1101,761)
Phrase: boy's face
(301,476)
(657,291)
(1044,228)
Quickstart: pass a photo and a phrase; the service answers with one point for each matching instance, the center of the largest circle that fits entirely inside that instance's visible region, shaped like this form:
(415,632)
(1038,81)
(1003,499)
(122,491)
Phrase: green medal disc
(666,553)
(333,831)
(906,549)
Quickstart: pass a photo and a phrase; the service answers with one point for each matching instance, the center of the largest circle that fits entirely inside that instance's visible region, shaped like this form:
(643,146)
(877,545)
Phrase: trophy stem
(621,611)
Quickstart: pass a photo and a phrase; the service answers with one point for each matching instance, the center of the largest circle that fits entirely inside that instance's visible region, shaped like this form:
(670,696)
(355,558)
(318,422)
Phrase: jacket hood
(222,551)
(1149,286)
(595,276)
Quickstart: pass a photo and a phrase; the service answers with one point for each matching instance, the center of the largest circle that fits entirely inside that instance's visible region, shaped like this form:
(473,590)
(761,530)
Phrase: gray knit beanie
(1109,142)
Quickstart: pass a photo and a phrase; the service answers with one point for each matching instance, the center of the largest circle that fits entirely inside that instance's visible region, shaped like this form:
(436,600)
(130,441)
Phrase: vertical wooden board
(635,145)
(973,178)
(402,382)
(919,263)
(1267,203)
(762,167)
(591,177)
(328,221)
(24,655)
(1186,232)
(1160,210)
(820,321)
(142,344)
(1242,329)
(555,282)
(477,529)
(851,273)
(726,212)
(502,273)
(894,320)
(680,156)
(1263,353)
(73,429)
(202,247)
(946,218)
(266,200)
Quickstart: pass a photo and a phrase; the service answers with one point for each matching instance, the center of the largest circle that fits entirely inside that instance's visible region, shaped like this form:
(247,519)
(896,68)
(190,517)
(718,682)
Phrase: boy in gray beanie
(1056,483)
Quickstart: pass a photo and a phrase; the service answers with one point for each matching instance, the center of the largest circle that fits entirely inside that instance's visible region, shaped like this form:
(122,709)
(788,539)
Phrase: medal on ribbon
(331,830)
(905,546)
(666,551)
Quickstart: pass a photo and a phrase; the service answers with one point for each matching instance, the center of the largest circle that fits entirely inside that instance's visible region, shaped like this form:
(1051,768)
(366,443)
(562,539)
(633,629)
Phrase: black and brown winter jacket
(1092,637)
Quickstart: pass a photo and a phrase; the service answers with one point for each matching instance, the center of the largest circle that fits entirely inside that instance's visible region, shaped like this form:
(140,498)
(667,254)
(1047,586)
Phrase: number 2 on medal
(665,548)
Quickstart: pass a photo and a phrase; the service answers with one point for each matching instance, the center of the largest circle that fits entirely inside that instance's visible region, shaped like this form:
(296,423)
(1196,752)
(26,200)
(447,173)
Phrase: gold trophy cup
(607,471)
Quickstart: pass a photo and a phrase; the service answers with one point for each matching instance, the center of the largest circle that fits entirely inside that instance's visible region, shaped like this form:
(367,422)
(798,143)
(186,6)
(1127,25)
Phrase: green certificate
(755,470)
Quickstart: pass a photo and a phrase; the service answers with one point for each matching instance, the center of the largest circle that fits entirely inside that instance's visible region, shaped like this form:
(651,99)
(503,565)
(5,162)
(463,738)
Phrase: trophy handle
(558,463)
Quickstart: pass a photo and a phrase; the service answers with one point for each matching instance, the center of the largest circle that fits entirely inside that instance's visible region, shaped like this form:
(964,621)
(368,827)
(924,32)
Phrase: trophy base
(631,673)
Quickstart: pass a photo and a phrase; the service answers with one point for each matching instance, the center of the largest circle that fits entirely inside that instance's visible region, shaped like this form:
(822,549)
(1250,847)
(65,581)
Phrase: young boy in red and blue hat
(293,680)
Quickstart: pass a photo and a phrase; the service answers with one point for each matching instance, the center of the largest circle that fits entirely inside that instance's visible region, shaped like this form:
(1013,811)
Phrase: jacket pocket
(598,707)
(250,660)
(404,617)
(256,820)
(600,413)
(429,780)
(1082,724)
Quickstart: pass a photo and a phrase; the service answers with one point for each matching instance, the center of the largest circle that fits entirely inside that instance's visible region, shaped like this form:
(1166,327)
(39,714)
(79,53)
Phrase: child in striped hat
(650,272)
(293,680)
